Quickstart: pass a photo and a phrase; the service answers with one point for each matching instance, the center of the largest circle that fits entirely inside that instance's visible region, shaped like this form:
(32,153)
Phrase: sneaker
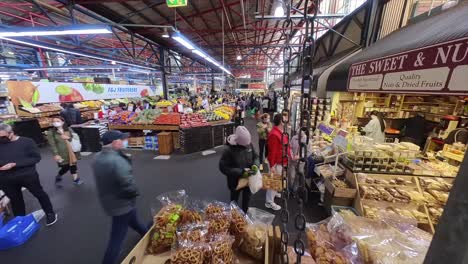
(51,219)
(278,195)
(78,182)
(273,206)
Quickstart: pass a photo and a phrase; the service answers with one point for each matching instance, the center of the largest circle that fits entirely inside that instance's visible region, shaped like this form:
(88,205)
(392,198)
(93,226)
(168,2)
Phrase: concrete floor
(81,234)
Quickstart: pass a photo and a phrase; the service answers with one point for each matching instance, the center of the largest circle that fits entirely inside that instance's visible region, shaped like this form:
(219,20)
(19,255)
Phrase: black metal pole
(162,59)
(450,241)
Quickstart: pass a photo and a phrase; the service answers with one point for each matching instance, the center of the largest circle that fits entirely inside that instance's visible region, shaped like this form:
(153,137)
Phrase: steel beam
(163,68)
(300,17)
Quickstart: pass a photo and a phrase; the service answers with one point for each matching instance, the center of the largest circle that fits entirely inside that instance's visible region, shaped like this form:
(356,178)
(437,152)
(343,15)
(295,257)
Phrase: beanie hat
(241,137)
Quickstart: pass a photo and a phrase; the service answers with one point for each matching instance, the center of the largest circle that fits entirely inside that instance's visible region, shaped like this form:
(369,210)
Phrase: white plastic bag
(255,182)
(75,143)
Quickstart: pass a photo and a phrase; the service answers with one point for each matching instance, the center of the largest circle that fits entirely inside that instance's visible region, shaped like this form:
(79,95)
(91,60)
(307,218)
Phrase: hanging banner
(25,92)
(257,75)
(438,68)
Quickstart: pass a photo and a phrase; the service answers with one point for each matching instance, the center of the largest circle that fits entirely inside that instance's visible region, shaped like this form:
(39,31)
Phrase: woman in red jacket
(275,158)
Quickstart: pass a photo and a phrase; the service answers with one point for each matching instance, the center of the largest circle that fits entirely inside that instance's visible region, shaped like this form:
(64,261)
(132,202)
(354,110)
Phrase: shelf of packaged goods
(433,114)
(145,127)
(429,103)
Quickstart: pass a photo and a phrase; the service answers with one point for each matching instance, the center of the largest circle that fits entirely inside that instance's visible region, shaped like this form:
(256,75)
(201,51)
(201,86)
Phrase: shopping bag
(17,231)
(75,143)
(255,182)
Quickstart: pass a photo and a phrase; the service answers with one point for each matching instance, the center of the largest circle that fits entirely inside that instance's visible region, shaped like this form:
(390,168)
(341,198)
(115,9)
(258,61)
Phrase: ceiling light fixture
(186,43)
(54,31)
(199,53)
(278,8)
(165,34)
(239,57)
(73,52)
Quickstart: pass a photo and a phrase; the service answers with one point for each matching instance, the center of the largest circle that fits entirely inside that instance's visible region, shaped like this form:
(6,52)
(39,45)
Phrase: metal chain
(284,214)
(308,48)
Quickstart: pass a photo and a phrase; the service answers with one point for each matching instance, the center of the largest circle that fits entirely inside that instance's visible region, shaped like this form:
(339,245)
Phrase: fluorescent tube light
(199,53)
(54,31)
(239,57)
(73,52)
(183,42)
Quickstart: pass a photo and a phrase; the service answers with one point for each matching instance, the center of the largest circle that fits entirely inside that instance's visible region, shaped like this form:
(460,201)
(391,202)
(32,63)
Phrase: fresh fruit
(74,96)
(144,93)
(63,90)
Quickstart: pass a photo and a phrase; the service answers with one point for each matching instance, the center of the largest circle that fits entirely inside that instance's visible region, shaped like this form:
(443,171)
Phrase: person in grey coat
(117,191)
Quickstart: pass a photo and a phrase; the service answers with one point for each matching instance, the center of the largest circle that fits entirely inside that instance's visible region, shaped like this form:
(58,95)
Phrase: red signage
(257,75)
(438,68)
(257,85)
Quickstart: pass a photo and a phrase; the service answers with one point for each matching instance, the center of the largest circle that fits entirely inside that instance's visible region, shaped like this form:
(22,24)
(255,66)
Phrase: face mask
(5,139)
(57,124)
(265,120)
(125,144)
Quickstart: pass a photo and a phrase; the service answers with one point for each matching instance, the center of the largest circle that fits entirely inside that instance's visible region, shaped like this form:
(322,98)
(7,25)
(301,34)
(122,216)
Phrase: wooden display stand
(166,147)
(138,254)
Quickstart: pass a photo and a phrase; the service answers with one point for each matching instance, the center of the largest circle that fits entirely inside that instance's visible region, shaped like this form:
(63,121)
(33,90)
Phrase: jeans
(119,230)
(245,197)
(12,188)
(263,149)
(270,194)
(64,168)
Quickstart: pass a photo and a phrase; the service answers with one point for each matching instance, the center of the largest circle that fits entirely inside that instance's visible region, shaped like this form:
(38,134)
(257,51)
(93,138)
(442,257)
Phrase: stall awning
(430,56)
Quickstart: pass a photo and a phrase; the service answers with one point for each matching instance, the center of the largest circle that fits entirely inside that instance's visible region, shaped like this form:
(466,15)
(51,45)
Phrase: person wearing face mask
(59,138)
(375,129)
(18,159)
(117,191)
(263,128)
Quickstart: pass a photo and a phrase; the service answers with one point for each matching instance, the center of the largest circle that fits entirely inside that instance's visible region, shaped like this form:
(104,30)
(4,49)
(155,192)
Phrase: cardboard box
(138,254)
(337,196)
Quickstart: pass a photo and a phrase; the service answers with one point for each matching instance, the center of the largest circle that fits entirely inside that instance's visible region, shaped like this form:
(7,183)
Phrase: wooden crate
(166,147)
(138,254)
(136,142)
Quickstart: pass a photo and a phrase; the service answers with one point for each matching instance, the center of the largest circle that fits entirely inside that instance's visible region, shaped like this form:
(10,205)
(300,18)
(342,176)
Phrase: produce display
(164,103)
(168,119)
(193,120)
(123,118)
(49,107)
(147,117)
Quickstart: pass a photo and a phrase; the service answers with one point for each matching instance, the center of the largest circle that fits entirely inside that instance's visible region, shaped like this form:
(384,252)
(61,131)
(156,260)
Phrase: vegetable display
(147,117)
(193,120)
(168,119)
(123,118)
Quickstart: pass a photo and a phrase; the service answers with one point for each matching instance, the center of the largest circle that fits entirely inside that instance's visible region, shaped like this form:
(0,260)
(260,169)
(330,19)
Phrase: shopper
(117,191)
(59,138)
(238,157)
(18,159)
(206,103)
(415,130)
(375,129)
(275,156)
(265,104)
(263,128)
(71,115)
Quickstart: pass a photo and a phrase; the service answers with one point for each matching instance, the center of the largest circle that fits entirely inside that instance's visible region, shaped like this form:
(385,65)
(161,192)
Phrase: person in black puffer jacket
(238,155)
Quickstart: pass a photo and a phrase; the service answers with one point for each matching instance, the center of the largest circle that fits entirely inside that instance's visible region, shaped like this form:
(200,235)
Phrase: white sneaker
(278,195)
(273,206)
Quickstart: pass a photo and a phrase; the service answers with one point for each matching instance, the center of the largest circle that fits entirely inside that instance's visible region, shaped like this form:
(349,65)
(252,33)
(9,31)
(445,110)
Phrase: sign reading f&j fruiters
(438,68)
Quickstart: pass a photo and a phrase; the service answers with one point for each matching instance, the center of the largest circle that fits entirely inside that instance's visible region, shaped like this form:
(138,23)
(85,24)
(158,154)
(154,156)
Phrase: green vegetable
(35,97)
(89,86)
(63,90)
(25,104)
(99,89)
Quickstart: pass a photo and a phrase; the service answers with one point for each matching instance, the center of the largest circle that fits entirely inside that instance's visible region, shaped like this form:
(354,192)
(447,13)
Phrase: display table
(144,127)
